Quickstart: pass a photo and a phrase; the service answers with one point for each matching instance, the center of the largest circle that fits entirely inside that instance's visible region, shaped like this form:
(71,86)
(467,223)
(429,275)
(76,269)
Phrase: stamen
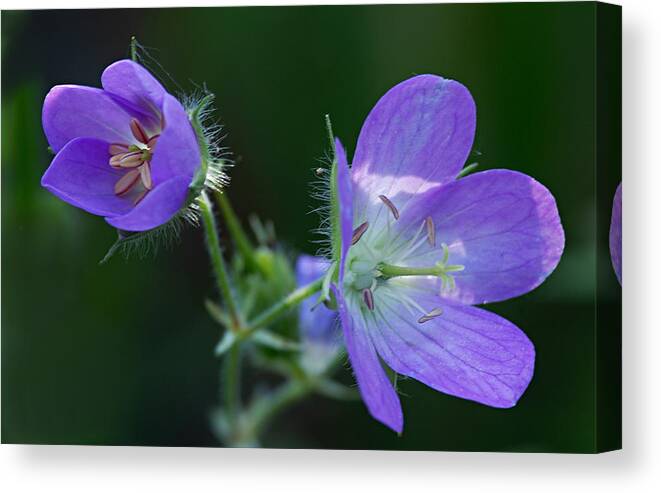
(430,316)
(127,182)
(140,196)
(359,232)
(390,206)
(118,149)
(138,131)
(431,231)
(151,143)
(145,175)
(368,298)
(127,160)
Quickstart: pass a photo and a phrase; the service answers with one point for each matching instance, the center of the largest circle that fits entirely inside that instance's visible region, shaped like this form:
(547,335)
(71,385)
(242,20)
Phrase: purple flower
(126,152)
(615,236)
(320,338)
(419,247)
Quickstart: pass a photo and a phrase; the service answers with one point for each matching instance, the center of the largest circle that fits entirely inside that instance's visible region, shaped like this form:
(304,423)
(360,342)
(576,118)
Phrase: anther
(118,149)
(390,206)
(359,232)
(431,231)
(368,298)
(140,196)
(127,182)
(430,316)
(138,131)
(151,143)
(145,176)
(127,160)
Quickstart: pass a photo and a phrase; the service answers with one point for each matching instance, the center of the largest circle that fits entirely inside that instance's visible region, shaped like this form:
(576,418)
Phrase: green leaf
(275,341)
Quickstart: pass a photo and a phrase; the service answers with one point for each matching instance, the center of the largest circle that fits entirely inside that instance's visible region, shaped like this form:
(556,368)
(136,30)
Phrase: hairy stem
(232,387)
(217,260)
(236,231)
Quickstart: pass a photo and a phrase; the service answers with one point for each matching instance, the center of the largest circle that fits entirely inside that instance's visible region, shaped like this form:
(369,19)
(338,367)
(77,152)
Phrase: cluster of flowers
(418,244)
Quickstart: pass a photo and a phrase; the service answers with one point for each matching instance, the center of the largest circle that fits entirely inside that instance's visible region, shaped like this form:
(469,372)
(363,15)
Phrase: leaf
(275,341)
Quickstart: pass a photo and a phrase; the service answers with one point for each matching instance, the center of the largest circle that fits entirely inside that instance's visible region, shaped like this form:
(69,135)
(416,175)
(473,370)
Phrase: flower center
(376,257)
(136,160)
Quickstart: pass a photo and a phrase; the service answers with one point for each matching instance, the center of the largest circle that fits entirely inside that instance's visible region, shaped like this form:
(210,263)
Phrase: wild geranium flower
(318,326)
(419,247)
(615,235)
(126,152)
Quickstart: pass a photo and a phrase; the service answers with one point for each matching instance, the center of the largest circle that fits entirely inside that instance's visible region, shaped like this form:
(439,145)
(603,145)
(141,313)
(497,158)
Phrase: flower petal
(78,111)
(157,207)
(377,392)
(465,351)
(417,137)
(80,175)
(135,85)
(615,235)
(318,325)
(177,151)
(345,198)
(502,226)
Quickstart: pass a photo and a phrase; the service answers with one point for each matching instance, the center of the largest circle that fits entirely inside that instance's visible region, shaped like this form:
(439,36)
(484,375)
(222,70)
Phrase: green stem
(290,301)
(232,387)
(217,260)
(236,231)
(269,406)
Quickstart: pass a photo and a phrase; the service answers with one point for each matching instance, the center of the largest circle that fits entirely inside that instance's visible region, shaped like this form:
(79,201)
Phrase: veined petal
(502,226)
(134,84)
(417,137)
(72,111)
(318,325)
(615,235)
(345,203)
(463,351)
(156,208)
(80,175)
(376,390)
(177,153)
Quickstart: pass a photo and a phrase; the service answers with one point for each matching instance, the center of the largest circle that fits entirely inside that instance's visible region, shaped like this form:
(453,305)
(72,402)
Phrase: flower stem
(267,407)
(272,313)
(232,386)
(236,231)
(217,260)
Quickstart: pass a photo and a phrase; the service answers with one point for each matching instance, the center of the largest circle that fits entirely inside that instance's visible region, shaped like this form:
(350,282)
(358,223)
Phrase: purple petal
(80,175)
(135,85)
(158,207)
(418,136)
(345,197)
(78,111)
(465,351)
(177,151)
(615,236)
(318,325)
(502,226)
(375,388)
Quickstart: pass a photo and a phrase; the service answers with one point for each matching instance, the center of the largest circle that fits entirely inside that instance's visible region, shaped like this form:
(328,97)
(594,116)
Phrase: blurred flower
(126,152)
(419,247)
(615,236)
(320,338)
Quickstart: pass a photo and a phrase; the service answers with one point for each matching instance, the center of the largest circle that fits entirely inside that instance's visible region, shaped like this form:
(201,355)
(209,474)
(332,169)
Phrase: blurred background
(122,353)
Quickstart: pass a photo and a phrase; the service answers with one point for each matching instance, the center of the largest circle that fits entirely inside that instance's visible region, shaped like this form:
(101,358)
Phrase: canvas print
(355,227)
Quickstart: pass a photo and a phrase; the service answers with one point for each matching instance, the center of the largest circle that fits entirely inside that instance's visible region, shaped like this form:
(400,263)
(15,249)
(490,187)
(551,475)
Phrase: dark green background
(122,353)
